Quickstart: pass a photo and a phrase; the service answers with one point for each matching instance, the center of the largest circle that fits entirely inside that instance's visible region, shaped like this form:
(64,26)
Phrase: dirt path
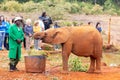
(55,74)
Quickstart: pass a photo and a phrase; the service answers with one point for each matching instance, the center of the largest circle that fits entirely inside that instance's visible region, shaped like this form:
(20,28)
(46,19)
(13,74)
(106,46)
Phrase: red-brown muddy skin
(82,41)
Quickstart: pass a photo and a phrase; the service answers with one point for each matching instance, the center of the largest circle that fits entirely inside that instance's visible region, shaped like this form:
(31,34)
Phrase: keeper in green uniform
(16,37)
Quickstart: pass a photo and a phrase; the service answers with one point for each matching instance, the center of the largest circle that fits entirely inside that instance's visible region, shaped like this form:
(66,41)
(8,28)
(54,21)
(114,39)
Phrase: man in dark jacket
(46,20)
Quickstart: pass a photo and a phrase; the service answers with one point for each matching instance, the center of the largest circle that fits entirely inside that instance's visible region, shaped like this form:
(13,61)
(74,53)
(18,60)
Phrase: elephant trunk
(39,35)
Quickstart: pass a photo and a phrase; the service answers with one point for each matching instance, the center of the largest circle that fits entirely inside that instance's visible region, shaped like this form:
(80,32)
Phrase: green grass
(36,52)
(78,63)
(55,59)
(110,58)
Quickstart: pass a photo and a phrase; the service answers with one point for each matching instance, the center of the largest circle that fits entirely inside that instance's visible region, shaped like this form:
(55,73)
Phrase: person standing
(6,41)
(28,30)
(55,26)
(16,37)
(46,20)
(3,26)
(98,27)
(42,26)
(23,25)
(37,28)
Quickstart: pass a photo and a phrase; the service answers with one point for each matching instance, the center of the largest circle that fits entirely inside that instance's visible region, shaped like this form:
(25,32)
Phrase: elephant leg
(65,61)
(92,65)
(98,65)
(66,50)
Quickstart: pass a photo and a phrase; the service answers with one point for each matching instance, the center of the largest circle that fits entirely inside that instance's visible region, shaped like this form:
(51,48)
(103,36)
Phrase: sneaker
(39,48)
(56,49)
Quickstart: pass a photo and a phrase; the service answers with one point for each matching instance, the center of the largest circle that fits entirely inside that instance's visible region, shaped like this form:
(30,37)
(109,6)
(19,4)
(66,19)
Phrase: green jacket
(14,47)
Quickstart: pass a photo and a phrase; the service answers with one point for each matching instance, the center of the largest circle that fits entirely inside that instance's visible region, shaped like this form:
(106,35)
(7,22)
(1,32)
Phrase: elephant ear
(60,36)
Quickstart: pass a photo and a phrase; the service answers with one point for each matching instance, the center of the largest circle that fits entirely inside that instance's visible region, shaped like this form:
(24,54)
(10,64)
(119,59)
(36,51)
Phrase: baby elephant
(82,41)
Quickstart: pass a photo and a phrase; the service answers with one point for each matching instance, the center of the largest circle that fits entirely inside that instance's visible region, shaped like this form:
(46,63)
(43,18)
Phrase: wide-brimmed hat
(17,18)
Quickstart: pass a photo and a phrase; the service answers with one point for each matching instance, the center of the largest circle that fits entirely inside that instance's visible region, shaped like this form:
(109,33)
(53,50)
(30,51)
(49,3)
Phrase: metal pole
(109,28)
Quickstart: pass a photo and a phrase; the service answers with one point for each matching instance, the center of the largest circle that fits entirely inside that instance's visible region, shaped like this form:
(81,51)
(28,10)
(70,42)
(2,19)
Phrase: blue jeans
(36,44)
(56,46)
(2,37)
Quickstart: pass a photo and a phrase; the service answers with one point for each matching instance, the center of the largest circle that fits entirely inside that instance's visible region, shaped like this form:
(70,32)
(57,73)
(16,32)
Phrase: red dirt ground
(54,73)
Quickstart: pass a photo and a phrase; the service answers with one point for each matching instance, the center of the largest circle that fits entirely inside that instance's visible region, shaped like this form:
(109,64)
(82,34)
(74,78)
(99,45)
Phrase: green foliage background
(61,7)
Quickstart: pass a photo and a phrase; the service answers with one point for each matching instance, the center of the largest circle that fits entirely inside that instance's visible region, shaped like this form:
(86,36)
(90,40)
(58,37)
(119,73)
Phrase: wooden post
(109,28)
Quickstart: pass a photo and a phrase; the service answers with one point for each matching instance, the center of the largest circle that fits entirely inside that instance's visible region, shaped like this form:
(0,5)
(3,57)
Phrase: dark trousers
(6,41)
(14,62)
(24,43)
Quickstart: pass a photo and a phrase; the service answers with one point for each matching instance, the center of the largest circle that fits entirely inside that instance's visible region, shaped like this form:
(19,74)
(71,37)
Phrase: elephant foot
(65,72)
(97,71)
(90,71)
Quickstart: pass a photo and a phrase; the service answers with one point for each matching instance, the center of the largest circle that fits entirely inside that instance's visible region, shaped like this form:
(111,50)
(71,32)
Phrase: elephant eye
(45,34)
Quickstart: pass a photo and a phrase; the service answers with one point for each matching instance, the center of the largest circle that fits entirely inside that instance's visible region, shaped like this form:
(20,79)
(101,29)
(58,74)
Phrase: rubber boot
(15,68)
(11,68)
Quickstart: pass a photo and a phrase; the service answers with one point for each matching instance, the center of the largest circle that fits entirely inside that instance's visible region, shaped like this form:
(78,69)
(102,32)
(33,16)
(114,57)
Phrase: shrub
(12,6)
(110,8)
(56,11)
(97,9)
(57,8)
(76,65)
(108,5)
(30,6)
(75,23)
(86,7)
(66,23)
(118,12)
(75,8)
(67,6)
